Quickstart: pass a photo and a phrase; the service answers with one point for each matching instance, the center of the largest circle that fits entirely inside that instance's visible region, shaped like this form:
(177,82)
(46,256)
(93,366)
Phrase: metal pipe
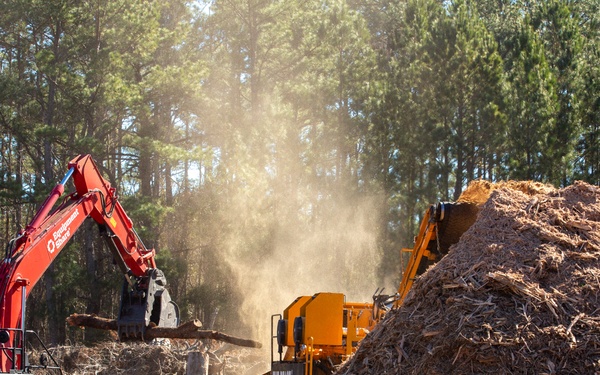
(67,176)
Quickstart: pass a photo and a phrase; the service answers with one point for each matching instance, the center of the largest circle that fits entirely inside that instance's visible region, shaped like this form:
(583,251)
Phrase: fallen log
(187,330)
(92,321)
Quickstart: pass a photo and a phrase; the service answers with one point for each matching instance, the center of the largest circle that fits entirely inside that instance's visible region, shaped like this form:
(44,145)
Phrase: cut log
(92,321)
(187,330)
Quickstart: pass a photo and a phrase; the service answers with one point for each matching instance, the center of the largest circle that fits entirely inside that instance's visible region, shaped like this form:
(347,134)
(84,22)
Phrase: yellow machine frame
(330,328)
(324,326)
(427,233)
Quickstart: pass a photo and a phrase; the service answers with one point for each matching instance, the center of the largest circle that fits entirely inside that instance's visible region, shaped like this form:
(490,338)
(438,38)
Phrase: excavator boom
(144,298)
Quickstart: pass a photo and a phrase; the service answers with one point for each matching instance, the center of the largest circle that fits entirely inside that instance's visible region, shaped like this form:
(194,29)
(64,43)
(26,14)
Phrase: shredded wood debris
(168,358)
(518,294)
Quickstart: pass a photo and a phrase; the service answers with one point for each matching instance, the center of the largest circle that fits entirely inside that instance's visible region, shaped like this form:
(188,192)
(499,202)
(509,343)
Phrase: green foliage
(147,214)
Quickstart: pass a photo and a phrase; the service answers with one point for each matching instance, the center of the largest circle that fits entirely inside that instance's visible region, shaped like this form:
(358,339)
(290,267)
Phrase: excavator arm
(28,256)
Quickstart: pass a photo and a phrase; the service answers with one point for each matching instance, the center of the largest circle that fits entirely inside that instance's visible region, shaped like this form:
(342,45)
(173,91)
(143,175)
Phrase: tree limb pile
(188,330)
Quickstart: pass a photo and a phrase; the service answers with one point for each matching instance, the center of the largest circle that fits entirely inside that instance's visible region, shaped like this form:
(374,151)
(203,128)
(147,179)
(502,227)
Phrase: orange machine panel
(289,314)
(324,315)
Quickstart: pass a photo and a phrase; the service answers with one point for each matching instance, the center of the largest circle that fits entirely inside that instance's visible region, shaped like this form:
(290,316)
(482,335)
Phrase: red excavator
(144,298)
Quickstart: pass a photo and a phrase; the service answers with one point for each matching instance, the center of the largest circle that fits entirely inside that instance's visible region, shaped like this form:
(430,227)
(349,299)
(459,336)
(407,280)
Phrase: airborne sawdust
(294,229)
(518,294)
(338,254)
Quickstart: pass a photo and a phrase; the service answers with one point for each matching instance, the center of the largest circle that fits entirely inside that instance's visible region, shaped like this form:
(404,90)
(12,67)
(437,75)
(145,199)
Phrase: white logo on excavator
(62,234)
(51,246)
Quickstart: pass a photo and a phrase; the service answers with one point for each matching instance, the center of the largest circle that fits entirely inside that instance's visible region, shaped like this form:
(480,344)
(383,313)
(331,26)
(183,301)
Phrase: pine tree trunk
(93,305)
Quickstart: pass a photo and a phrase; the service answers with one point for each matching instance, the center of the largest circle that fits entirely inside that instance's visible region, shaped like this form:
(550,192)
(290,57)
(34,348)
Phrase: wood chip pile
(518,294)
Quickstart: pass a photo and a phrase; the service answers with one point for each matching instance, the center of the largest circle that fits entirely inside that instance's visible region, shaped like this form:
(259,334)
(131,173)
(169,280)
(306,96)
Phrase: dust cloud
(279,253)
(340,255)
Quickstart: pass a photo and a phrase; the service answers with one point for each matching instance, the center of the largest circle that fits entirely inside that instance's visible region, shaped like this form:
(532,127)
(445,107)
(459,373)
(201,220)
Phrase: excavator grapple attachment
(146,302)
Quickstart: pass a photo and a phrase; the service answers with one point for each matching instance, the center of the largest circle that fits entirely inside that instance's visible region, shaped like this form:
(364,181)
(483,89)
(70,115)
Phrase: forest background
(273,148)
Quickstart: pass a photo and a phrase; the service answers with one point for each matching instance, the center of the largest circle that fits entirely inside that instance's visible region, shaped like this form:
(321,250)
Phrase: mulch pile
(518,294)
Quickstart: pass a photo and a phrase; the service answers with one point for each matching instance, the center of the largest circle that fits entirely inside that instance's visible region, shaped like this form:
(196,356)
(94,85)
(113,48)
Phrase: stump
(197,363)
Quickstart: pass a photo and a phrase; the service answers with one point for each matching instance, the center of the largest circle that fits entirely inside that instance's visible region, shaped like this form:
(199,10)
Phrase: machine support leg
(23,330)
